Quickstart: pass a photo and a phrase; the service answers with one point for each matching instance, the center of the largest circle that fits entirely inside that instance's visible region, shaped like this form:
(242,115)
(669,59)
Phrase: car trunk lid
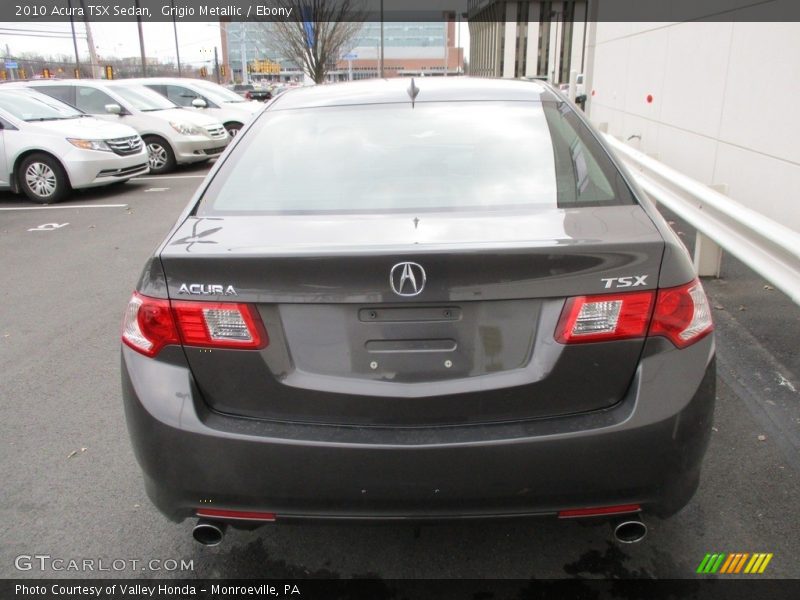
(475,344)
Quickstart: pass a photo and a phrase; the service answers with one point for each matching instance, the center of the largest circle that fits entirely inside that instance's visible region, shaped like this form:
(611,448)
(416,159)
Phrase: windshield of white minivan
(33,106)
(143,98)
(435,156)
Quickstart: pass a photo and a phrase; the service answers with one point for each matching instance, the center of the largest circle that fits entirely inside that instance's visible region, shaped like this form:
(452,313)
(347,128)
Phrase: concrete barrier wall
(715,100)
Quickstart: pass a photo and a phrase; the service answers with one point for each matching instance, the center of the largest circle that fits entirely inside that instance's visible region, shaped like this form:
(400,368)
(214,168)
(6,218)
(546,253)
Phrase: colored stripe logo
(735,562)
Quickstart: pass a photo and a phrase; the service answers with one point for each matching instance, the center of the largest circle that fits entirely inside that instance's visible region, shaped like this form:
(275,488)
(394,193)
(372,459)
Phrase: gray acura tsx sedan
(430,299)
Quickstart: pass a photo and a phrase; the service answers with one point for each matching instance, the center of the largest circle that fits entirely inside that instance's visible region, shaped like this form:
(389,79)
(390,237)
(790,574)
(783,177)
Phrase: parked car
(580,86)
(252,92)
(512,331)
(211,99)
(173,135)
(48,148)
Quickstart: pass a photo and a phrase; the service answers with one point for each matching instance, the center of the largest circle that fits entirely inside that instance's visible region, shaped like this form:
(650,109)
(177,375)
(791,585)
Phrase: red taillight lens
(220,325)
(248,95)
(605,317)
(244,515)
(599,511)
(152,323)
(148,325)
(682,314)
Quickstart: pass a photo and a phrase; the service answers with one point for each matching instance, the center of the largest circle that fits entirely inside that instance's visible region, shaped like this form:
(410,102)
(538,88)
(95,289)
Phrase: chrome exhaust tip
(630,530)
(209,533)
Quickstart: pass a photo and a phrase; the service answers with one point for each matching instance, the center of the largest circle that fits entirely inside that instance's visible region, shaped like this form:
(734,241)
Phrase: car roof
(89,82)
(162,80)
(431,89)
(19,89)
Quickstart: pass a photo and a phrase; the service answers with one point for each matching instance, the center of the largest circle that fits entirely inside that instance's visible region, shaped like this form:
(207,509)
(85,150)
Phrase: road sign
(11,64)
(350,56)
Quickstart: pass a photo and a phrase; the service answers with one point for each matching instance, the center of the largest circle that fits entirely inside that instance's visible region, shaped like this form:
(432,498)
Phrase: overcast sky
(120,40)
(114,39)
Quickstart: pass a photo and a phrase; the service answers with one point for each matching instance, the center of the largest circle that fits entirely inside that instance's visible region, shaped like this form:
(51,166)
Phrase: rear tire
(233,129)
(42,178)
(160,157)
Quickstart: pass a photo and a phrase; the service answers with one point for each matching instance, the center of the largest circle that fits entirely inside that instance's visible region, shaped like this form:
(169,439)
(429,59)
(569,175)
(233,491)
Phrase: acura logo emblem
(407,279)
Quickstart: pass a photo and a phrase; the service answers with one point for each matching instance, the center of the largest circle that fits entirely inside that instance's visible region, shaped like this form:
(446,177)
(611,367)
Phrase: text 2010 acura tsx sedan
(418,300)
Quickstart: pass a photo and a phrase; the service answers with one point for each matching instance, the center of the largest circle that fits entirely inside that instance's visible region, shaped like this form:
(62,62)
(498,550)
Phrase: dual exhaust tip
(626,531)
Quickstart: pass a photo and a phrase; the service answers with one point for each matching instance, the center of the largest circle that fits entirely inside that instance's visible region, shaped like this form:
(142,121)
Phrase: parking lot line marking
(155,190)
(49,227)
(66,206)
(158,177)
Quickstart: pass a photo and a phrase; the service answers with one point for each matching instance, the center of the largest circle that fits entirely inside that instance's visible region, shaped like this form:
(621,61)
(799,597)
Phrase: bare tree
(316,34)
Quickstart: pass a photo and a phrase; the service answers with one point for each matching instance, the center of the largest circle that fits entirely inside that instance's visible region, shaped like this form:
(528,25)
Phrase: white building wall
(510,49)
(723,104)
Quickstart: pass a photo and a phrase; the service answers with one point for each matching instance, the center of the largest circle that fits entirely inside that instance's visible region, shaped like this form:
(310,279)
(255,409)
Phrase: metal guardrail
(769,248)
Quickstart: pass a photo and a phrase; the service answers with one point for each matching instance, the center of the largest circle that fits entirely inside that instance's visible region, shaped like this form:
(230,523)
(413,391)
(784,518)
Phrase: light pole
(446,47)
(175,31)
(93,61)
(381,65)
(141,39)
(74,41)
(243,52)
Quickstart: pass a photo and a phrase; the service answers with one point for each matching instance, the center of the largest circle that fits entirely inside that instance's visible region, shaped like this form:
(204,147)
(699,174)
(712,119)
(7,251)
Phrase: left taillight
(220,325)
(148,325)
(152,323)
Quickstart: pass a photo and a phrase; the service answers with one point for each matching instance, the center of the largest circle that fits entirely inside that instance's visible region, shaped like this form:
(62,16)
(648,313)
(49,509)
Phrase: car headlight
(186,128)
(89,144)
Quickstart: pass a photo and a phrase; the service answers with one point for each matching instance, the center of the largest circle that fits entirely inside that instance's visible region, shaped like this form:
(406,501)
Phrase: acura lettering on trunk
(429,300)
(207,289)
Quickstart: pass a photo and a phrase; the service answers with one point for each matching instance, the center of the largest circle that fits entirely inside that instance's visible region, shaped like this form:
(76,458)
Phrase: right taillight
(152,323)
(604,317)
(682,314)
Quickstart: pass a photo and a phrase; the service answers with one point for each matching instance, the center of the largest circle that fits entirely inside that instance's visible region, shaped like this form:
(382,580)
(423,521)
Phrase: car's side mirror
(199,103)
(114,109)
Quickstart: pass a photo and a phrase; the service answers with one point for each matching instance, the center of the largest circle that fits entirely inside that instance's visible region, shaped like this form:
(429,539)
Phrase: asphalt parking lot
(72,488)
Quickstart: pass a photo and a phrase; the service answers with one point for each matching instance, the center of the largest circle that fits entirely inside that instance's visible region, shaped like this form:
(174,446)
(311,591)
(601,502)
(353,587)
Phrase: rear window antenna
(413,91)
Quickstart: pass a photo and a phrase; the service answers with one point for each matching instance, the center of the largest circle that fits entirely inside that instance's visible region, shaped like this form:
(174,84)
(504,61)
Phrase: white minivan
(48,147)
(173,135)
(210,99)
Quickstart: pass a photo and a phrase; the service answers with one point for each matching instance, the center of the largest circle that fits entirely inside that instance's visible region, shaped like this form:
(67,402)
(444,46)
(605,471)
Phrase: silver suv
(48,148)
(173,135)
(210,99)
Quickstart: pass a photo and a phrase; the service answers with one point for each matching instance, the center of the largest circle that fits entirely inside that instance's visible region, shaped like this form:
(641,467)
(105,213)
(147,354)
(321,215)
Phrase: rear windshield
(394,158)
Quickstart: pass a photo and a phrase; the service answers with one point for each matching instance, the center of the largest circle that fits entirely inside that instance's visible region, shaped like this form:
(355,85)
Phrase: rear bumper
(647,449)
